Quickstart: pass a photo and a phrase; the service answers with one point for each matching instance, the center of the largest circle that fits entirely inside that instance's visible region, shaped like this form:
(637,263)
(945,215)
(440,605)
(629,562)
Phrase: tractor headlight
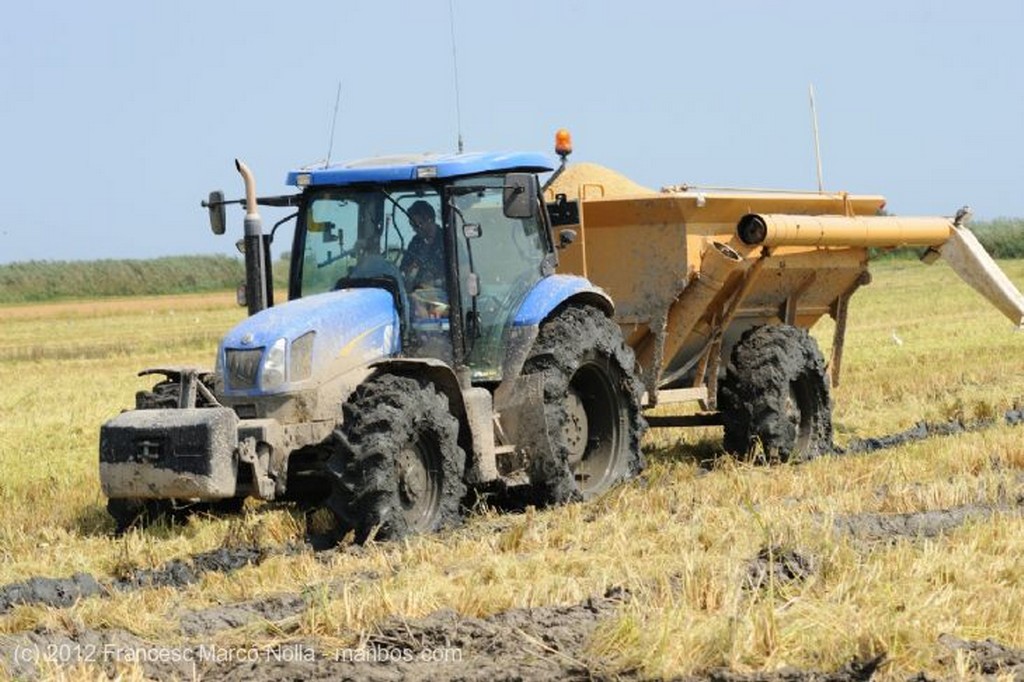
(273,375)
(300,361)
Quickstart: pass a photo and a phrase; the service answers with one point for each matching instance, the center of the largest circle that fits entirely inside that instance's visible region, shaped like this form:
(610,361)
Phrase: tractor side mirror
(329,234)
(519,200)
(215,205)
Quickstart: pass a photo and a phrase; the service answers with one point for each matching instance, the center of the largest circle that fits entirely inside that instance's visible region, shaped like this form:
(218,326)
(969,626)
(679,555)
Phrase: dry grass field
(888,564)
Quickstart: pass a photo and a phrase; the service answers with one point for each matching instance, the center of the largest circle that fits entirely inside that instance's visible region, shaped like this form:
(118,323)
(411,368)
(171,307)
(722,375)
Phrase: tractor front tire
(397,468)
(591,407)
(775,396)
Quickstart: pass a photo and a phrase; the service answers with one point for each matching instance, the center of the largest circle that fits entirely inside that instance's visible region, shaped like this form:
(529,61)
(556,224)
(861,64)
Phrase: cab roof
(385,169)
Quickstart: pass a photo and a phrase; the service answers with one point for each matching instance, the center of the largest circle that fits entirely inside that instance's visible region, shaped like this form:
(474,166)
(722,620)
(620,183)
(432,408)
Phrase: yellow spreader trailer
(714,290)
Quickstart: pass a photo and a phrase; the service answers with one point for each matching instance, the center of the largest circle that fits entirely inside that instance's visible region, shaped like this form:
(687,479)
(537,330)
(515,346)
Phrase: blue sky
(117,118)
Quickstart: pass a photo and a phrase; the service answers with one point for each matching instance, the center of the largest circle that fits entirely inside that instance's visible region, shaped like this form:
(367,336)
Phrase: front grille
(247,411)
(243,366)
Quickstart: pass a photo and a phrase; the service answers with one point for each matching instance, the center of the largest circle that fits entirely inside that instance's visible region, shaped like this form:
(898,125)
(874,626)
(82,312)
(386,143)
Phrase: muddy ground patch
(549,642)
(881,527)
(986,657)
(178,573)
(541,643)
(537,643)
(778,565)
(924,430)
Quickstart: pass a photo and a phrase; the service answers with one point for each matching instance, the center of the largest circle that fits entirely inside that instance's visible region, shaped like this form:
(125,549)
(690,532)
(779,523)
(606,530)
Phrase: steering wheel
(432,301)
(331,260)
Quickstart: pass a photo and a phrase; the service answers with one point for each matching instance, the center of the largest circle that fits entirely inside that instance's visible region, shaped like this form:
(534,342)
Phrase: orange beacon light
(563,142)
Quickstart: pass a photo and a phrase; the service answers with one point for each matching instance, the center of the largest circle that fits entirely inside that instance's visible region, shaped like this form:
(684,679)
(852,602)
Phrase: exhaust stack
(255,261)
(955,243)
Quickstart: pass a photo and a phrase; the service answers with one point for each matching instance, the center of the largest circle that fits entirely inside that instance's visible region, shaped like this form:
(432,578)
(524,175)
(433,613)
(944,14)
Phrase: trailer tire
(396,468)
(591,407)
(775,396)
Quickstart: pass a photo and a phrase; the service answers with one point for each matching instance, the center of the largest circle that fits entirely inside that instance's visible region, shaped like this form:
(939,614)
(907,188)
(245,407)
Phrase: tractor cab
(457,240)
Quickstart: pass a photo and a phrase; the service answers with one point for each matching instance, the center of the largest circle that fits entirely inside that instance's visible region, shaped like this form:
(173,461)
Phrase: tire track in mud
(63,592)
(883,527)
(547,642)
(986,657)
(178,573)
(924,430)
(890,527)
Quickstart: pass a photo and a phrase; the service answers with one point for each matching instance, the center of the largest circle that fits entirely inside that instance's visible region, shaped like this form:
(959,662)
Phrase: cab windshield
(388,237)
(357,233)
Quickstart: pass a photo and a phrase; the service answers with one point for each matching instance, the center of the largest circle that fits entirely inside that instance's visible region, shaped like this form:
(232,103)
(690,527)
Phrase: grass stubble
(679,540)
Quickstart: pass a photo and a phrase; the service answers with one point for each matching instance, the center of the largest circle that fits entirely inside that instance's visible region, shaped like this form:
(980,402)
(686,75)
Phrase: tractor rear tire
(591,407)
(775,396)
(397,467)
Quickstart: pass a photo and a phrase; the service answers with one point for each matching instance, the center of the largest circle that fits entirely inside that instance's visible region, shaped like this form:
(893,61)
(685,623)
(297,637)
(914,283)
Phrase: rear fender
(546,299)
(551,293)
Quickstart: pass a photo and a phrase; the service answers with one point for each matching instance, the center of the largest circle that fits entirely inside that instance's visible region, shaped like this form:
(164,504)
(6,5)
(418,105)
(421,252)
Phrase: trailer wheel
(775,395)
(397,467)
(592,406)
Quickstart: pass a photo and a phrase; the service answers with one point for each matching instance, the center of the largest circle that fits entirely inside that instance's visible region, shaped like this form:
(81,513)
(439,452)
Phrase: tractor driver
(423,265)
(423,262)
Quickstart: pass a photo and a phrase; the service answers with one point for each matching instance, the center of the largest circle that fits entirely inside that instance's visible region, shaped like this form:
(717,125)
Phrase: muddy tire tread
(565,341)
(753,395)
(381,416)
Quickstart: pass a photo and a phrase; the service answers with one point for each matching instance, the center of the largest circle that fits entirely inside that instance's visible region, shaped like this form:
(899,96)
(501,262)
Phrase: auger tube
(956,244)
(831,230)
(719,263)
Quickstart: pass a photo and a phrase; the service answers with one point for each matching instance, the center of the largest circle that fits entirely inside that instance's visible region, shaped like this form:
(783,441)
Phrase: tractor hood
(302,343)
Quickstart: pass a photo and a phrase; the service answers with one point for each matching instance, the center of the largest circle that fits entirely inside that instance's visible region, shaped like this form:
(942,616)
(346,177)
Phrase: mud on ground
(178,573)
(548,642)
(925,524)
(536,644)
(923,430)
(542,643)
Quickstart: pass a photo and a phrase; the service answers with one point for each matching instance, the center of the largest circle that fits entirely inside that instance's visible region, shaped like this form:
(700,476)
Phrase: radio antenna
(455,69)
(334,122)
(817,143)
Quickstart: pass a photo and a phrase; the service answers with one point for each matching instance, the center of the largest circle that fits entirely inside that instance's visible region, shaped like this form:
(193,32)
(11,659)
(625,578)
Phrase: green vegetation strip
(1002,238)
(37,281)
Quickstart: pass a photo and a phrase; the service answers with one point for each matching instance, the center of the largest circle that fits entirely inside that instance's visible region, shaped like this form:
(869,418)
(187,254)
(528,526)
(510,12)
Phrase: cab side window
(505,258)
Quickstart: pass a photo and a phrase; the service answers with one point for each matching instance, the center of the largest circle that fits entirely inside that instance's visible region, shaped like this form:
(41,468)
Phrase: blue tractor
(427,350)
